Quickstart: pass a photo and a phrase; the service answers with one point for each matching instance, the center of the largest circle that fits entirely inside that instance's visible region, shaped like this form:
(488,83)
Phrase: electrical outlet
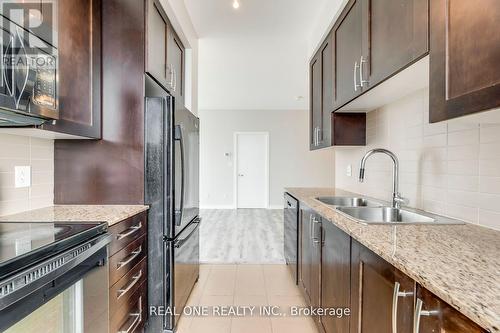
(22,176)
(349,170)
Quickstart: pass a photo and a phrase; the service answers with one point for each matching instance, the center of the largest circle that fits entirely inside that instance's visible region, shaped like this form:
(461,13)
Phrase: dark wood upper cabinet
(434,315)
(464,57)
(310,256)
(164,52)
(347,34)
(316,117)
(175,59)
(156,43)
(380,294)
(395,33)
(335,276)
(79,47)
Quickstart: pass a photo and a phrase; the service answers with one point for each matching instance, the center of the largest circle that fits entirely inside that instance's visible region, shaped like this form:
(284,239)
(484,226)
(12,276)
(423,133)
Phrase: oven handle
(180,242)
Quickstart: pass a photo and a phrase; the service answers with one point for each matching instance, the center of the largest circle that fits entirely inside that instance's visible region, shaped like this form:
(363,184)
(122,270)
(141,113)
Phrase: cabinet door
(175,63)
(347,34)
(395,33)
(440,317)
(315,108)
(381,295)
(79,48)
(156,43)
(335,276)
(310,257)
(464,57)
(327,93)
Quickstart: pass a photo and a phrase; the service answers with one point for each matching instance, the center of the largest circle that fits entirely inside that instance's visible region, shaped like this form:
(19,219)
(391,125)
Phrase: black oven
(29,80)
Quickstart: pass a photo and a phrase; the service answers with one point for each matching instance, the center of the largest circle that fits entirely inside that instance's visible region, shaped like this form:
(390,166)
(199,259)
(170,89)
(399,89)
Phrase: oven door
(73,302)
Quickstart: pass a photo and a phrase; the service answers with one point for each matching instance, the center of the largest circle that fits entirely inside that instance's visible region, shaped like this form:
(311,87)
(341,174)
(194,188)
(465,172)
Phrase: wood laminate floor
(241,236)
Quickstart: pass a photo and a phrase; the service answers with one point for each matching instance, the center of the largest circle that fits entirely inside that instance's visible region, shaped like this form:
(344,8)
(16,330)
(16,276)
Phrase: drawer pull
(130,231)
(135,279)
(137,319)
(131,257)
(395,296)
(419,313)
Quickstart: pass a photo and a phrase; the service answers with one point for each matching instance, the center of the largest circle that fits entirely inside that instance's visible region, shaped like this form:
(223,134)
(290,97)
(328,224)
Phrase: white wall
(23,151)
(291,162)
(450,168)
(253,73)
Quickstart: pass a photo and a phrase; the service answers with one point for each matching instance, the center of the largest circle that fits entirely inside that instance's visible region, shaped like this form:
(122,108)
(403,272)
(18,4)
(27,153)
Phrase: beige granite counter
(458,263)
(78,213)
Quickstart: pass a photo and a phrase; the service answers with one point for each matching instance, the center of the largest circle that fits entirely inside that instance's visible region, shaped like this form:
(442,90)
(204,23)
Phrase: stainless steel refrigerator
(172,191)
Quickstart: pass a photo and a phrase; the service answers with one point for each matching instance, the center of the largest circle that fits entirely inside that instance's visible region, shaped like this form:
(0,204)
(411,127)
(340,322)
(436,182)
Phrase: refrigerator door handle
(178,213)
(178,243)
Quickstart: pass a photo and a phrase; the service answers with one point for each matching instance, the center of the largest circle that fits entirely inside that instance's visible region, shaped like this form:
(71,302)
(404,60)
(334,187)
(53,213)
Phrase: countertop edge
(485,323)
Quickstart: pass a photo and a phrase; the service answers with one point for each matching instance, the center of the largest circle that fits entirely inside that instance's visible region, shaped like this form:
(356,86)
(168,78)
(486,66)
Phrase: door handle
(395,296)
(178,243)
(315,239)
(419,313)
(361,81)
(179,137)
(356,85)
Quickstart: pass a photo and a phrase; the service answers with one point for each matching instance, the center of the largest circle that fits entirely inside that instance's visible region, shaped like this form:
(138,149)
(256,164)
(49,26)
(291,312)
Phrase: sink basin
(389,215)
(348,202)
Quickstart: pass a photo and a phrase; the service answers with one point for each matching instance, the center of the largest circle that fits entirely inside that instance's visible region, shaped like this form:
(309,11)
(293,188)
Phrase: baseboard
(217,207)
(275,207)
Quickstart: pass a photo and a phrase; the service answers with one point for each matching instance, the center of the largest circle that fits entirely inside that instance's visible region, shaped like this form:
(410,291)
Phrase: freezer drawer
(183,271)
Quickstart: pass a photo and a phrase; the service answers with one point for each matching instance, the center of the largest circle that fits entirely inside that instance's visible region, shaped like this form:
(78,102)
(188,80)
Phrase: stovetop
(25,243)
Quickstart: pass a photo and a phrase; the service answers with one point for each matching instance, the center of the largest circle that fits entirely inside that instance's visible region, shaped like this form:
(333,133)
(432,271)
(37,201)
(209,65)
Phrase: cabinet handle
(171,71)
(133,255)
(361,81)
(419,313)
(319,135)
(315,239)
(396,294)
(135,279)
(137,319)
(356,85)
(174,80)
(129,231)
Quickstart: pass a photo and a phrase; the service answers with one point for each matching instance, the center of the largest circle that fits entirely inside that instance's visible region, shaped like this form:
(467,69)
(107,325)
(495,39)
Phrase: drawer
(124,260)
(126,231)
(122,290)
(131,316)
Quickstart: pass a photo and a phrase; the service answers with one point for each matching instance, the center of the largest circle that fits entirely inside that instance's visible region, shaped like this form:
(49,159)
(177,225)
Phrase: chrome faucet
(397,199)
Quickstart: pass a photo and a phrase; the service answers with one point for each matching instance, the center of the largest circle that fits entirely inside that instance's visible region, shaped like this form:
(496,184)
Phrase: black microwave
(29,77)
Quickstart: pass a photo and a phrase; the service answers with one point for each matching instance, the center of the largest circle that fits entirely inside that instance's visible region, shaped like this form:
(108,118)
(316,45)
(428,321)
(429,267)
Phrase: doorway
(251,176)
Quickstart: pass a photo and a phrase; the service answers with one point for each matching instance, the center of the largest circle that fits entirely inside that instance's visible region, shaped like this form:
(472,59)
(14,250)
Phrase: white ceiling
(256,57)
(218,19)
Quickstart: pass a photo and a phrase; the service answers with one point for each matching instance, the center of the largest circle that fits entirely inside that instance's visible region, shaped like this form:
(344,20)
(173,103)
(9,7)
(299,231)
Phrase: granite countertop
(458,263)
(110,214)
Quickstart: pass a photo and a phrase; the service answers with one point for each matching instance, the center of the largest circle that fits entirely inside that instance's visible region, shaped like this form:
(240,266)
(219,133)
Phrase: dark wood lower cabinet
(335,277)
(381,295)
(434,315)
(310,256)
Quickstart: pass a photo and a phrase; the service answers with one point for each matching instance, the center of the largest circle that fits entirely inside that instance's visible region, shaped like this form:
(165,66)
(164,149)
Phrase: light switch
(22,176)
(349,170)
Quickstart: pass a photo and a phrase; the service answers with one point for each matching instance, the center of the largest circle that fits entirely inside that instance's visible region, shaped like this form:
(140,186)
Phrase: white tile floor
(246,285)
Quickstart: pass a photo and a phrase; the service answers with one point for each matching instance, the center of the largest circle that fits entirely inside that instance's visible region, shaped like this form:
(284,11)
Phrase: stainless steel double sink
(369,211)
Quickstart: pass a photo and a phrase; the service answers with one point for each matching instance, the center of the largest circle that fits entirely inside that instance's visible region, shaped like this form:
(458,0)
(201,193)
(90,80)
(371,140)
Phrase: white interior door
(252,189)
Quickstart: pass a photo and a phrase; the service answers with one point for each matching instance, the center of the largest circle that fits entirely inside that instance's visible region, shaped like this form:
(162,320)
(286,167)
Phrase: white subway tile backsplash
(450,168)
(20,151)
(490,134)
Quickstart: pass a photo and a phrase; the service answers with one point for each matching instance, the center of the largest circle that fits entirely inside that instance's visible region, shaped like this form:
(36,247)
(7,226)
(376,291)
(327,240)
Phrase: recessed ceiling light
(236,4)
